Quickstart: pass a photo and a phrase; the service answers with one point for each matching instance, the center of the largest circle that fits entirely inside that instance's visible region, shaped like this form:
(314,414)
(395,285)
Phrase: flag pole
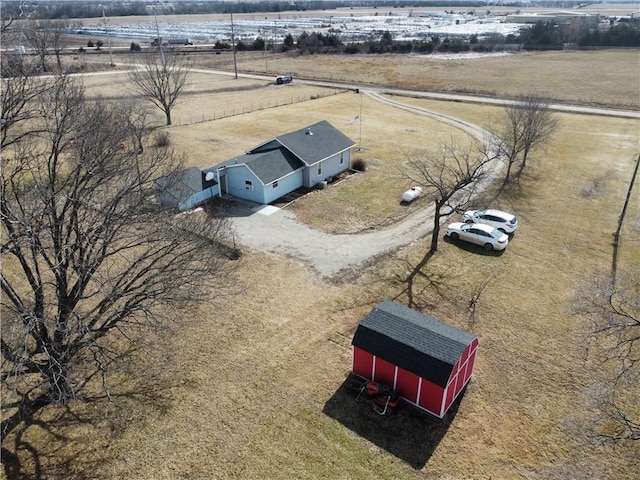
(360,139)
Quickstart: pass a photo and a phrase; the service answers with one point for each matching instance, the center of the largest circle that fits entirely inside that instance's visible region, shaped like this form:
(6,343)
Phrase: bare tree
(45,37)
(527,123)
(89,263)
(21,88)
(613,312)
(161,78)
(449,180)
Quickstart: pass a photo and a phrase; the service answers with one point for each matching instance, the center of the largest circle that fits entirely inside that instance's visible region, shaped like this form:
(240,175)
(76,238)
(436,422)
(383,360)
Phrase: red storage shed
(426,361)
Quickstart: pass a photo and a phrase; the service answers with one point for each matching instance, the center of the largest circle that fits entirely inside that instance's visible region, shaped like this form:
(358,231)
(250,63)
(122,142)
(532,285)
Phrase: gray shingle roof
(412,341)
(268,165)
(179,186)
(316,142)
(272,165)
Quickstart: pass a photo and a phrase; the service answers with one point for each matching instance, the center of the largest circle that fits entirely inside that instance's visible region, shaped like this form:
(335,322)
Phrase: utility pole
(104,20)
(158,39)
(233,46)
(264,33)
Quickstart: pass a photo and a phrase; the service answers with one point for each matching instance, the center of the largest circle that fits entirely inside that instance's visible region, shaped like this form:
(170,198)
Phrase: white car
(503,221)
(479,233)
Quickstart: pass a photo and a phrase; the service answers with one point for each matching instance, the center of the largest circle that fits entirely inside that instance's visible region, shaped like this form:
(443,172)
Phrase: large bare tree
(449,179)
(613,312)
(527,124)
(160,78)
(89,263)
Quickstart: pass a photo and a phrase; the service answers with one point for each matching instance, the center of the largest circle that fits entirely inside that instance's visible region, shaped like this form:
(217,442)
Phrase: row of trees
(543,36)
(547,36)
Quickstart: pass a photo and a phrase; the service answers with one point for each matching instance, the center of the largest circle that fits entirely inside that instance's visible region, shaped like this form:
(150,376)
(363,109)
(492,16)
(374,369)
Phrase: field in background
(582,77)
(253,383)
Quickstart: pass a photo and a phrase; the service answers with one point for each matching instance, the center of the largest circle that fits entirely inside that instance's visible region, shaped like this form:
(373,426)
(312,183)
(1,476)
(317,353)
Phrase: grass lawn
(250,386)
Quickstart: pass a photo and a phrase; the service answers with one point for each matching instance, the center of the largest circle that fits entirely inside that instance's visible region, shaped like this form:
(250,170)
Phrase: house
(304,158)
(427,362)
(307,157)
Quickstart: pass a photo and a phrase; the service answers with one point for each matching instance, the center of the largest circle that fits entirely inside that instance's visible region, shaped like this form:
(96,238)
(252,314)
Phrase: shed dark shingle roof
(413,341)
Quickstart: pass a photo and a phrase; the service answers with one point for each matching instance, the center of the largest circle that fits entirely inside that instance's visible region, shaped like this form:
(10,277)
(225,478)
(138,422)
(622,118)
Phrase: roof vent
(308,132)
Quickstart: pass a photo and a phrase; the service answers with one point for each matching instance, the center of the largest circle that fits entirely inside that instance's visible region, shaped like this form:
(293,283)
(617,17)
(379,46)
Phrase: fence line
(254,108)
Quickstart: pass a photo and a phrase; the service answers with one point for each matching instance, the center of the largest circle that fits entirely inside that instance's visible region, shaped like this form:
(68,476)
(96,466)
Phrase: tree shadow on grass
(48,446)
(407,432)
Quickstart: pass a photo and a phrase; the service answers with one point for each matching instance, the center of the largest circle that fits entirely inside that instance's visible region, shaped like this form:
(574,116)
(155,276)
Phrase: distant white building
(557,18)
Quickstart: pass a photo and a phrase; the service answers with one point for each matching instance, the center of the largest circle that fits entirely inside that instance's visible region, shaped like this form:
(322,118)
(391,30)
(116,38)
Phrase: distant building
(558,18)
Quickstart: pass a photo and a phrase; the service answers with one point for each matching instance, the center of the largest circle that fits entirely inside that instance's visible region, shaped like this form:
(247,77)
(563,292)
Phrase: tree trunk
(167,112)
(436,230)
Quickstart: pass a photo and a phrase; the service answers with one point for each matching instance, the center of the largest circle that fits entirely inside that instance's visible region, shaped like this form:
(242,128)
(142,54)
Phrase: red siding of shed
(384,372)
(362,363)
(431,397)
(407,385)
(418,391)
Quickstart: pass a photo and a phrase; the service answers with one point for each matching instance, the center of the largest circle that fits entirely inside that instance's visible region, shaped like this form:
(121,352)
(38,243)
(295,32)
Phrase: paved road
(278,231)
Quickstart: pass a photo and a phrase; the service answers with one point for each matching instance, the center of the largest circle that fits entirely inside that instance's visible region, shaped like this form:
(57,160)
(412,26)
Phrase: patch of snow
(467,55)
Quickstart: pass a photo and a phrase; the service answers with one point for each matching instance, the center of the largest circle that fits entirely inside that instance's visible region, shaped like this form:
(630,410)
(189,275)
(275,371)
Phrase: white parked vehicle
(503,221)
(479,233)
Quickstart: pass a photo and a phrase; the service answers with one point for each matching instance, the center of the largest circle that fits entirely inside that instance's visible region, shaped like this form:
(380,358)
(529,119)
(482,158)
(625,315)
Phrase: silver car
(481,234)
(503,221)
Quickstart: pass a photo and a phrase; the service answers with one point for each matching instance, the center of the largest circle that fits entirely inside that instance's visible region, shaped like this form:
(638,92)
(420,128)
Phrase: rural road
(276,230)
(455,97)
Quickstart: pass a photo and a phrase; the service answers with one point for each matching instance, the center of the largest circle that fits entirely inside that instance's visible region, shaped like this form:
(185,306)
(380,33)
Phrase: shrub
(90,44)
(352,48)
(99,44)
(135,47)
(359,165)
(162,140)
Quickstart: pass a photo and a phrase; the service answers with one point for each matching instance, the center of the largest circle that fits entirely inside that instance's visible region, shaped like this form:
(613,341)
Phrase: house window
(275,184)
(341,158)
(248,185)
(319,169)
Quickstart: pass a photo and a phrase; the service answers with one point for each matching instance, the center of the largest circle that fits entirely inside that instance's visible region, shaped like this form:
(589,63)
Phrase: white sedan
(503,221)
(479,233)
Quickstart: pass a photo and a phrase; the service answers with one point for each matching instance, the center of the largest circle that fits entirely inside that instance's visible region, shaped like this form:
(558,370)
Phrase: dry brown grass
(253,386)
(608,77)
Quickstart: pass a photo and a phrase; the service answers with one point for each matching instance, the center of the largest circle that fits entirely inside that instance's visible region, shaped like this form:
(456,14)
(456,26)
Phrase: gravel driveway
(272,229)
